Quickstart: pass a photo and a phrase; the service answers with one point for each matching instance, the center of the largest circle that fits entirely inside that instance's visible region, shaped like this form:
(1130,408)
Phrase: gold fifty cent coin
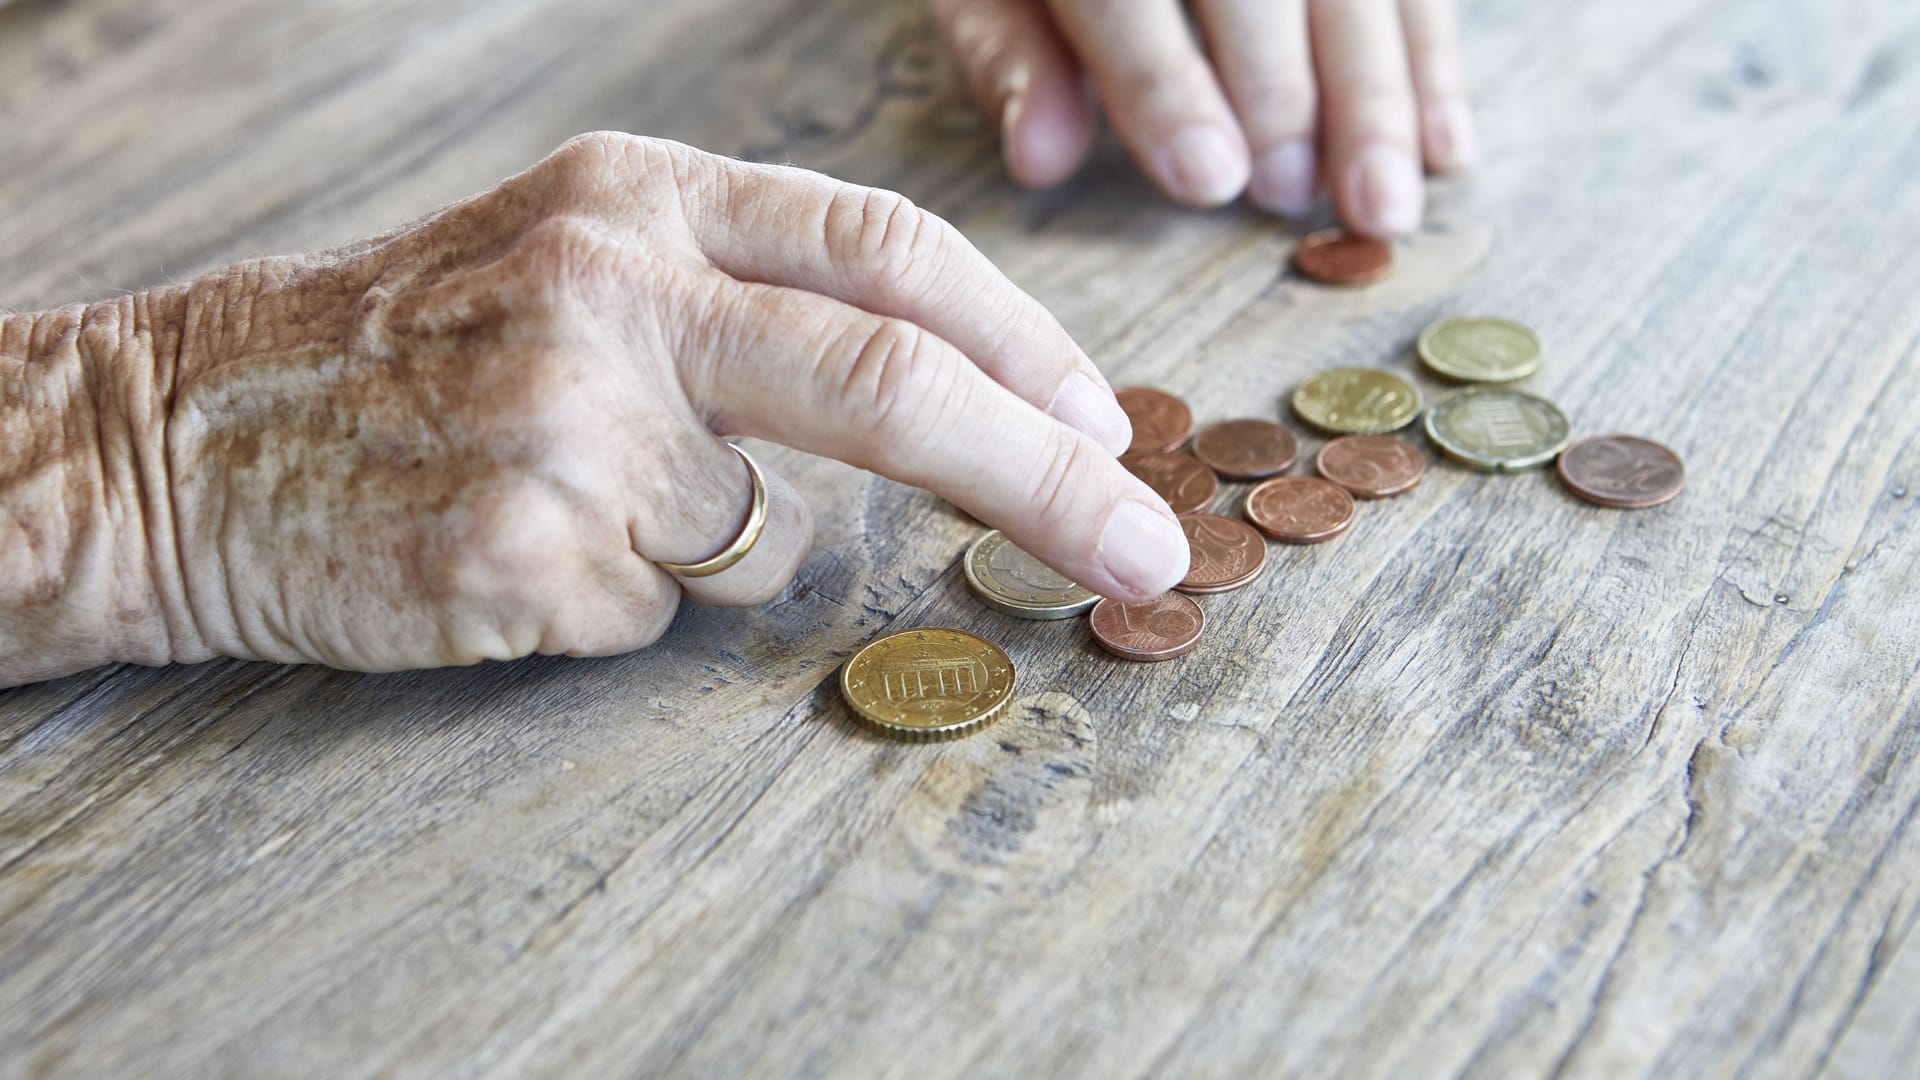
(1498,430)
(1162,628)
(1357,401)
(1480,350)
(1012,582)
(928,685)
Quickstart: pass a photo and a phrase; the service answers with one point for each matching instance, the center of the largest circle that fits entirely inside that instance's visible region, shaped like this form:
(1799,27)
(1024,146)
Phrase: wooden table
(1499,783)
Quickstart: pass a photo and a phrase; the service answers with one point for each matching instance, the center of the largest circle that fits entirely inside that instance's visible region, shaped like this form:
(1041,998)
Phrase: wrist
(89,573)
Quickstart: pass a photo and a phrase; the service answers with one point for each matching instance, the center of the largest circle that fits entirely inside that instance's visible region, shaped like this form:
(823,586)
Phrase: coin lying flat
(1480,350)
(1160,420)
(1622,471)
(1162,628)
(1300,509)
(1179,478)
(1226,554)
(1338,257)
(1371,466)
(928,685)
(1012,582)
(1357,401)
(1245,449)
(1498,430)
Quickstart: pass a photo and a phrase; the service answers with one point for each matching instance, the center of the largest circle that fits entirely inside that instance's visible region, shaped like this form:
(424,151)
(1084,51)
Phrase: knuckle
(882,233)
(1057,476)
(1285,100)
(892,377)
(563,254)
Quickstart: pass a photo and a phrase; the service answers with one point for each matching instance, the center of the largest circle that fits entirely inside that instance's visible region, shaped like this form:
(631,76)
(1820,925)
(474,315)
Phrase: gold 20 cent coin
(1357,401)
(1480,350)
(928,685)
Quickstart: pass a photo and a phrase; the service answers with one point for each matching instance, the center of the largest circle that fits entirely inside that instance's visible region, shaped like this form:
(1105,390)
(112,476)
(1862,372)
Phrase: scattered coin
(928,685)
(1187,485)
(1622,470)
(1371,466)
(1158,629)
(1226,554)
(1160,420)
(1300,509)
(1480,350)
(1245,449)
(1338,257)
(1357,401)
(1498,430)
(1012,582)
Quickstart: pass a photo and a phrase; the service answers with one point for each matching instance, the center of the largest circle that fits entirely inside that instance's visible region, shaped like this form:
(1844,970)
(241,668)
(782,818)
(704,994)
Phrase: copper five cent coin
(1187,485)
(1157,629)
(1226,554)
(1245,449)
(1300,509)
(1622,470)
(1338,257)
(1371,466)
(1160,420)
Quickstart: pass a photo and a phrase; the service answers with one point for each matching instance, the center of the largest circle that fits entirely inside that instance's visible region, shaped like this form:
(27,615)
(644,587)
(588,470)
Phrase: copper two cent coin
(1622,470)
(1300,509)
(1226,554)
(1338,257)
(1157,629)
(1160,420)
(1187,485)
(1371,466)
(1245,449)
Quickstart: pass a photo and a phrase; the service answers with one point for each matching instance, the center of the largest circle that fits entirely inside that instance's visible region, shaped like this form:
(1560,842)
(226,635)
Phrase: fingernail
(1283,179)
(1144,549)
(1087,407)
(1457,139)
(1200,164)
(1387,190)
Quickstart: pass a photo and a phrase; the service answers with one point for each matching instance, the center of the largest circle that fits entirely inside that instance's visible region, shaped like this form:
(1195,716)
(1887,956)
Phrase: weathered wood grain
(1497,784)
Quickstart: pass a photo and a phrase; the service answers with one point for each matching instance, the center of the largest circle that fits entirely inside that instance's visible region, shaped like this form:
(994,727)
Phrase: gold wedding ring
(749,533)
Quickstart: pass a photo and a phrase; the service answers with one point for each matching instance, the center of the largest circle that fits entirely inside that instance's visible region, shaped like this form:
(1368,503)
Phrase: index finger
(876,250)
(892,397)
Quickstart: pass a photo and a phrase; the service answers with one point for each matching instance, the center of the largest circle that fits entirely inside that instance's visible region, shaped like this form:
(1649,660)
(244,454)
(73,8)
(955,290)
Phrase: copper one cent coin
(1338,257)
(1371,466)
(1622,470)
(1158,629)
(1187,485)
(1300,509)
(1160,420)
(1245,449)
(1226,554)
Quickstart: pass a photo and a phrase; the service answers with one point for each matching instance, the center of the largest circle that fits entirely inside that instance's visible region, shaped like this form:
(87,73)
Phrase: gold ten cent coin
(1012,582)
(928,685)
(1480,350)
(1357,401)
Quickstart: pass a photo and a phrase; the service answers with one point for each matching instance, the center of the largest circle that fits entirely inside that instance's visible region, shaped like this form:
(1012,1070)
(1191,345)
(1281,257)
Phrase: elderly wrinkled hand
(481,435)
(1287,96)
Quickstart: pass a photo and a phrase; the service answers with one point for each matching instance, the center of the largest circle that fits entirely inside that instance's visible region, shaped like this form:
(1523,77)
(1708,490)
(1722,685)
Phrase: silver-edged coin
(1012,582)
(1498,430)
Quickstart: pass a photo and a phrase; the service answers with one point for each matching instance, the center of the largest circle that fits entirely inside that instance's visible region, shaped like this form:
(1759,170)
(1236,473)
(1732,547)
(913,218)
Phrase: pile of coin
(937,684)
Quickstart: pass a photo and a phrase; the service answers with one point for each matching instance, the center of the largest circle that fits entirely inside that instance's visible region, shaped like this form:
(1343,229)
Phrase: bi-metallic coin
(1012,582)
